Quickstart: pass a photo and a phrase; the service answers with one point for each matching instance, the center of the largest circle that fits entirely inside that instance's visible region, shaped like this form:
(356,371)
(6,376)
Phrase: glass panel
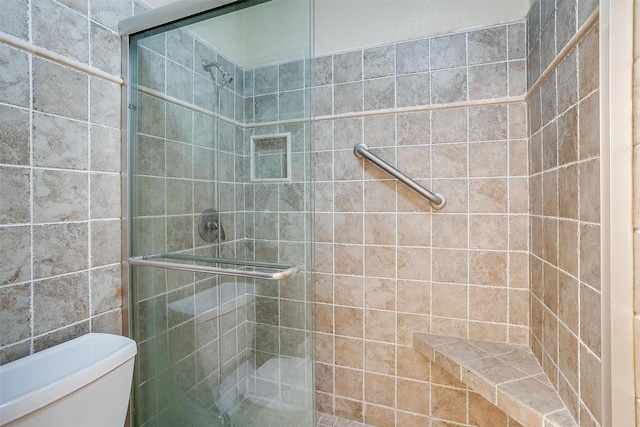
(214,349)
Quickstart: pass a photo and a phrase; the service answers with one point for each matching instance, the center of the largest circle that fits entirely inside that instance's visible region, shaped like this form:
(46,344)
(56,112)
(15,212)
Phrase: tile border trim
(49,55)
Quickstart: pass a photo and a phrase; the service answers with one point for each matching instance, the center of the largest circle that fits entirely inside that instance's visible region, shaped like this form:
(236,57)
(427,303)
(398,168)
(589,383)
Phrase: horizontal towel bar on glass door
(438,201)
(198,264)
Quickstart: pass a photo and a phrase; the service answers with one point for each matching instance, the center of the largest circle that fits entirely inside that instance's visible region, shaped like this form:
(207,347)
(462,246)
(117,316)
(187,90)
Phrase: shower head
(226,77)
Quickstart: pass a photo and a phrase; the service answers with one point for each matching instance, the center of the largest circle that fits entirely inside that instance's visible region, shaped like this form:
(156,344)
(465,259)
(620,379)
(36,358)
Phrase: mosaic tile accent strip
(507,375)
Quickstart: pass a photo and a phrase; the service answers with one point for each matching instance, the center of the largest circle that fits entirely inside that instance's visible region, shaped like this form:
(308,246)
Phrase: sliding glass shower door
(220,233)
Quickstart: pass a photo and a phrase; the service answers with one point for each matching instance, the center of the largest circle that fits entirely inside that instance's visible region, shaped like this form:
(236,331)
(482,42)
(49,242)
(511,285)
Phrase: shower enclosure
(218,195)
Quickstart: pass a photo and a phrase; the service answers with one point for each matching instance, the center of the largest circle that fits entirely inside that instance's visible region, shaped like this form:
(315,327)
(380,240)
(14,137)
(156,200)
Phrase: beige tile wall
(386,263)
(565,214)
(59,167)
(636,220)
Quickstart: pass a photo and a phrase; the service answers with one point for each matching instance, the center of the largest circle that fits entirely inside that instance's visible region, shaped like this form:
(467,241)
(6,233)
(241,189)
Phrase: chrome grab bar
(282,270)
(438,201)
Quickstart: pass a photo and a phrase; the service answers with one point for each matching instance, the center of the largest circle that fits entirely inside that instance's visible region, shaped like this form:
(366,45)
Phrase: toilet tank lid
(35,381)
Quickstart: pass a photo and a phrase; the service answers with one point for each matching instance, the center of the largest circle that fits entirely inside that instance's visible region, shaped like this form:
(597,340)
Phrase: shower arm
(438,201)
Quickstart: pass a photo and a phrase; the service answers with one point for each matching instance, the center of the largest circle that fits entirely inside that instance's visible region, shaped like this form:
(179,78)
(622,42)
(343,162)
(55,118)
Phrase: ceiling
(278,30)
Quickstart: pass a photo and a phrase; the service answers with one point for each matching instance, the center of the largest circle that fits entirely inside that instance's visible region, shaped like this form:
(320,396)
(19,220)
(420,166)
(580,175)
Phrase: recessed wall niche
(271,157)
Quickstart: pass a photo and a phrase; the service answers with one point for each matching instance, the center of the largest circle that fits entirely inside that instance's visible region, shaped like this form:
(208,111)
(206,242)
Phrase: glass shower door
(220,218)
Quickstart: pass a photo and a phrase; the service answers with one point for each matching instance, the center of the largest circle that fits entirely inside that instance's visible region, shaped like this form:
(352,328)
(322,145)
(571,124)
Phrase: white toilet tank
(84,382)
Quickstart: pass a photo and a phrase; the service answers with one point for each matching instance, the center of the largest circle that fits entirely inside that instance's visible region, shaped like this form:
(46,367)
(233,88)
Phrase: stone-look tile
(105,49)
(59,142)
(413,90)
(568,189)
(448,404)
(152,116)
(60,196)
(487,45)
(588,63)
(378,293)
(488,195)
(15,205)
(60,301)
(589,190)
(448,51)
(180,48)
(590,255)
(412,57)
(380,358)
(533,65)
(14,135)
(567,82)
(568,137)
(548,97)
(348,98)
(413,128)
(488,123)
(589,126)
(379,61)
(53,83)
(108,323)
(349,352)
(291,75)
(15,19)
(449,160)
(106,289)
(488,81)
(77,5)
(547,45)
(347,67)
(59,249)
(517,78)
(590,302)
(16,265)
(15,313)
(61,30)
(14,82)
(59,336)
(180,82)
(488,268)
(517,43)
(266,80)
(488,159)
(323,70)
(349,383)
(379,94)
(590,382)
(568,301)
(105,196)
(380,325)
(110,12)
(451,231)
(449,126)
(266,108)
(449,85)
(379,389)
(323,103)
(488,304)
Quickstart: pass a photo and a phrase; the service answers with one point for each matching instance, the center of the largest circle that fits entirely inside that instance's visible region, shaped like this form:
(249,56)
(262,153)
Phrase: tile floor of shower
(250,414)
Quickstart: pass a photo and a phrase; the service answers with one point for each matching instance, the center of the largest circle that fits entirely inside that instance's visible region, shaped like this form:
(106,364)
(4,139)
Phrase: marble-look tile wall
(278,225)
(387,264)
(564,164)
(59,166)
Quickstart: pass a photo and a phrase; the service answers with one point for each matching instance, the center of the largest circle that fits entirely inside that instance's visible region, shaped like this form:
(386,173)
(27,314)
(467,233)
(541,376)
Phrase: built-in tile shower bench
(507,375)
